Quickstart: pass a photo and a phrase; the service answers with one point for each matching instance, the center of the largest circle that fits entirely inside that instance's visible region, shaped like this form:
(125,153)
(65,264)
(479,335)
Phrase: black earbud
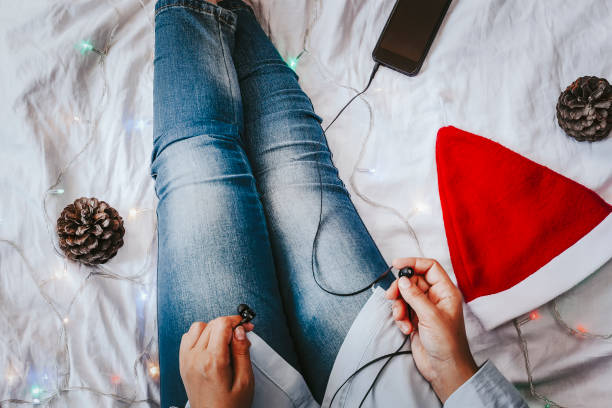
(407,272)
(246,313)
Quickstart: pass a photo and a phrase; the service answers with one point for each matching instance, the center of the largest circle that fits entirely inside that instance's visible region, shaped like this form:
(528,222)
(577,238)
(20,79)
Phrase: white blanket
(72,338)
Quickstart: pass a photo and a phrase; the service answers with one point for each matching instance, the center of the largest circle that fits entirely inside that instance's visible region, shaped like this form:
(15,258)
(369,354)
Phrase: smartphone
(408,34)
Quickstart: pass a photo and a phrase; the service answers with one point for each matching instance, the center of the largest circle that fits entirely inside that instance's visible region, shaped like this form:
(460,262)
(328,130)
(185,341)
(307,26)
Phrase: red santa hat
(519,234)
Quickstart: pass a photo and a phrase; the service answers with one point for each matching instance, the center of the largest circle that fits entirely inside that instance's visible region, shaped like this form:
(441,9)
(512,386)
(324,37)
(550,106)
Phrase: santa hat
(519,234)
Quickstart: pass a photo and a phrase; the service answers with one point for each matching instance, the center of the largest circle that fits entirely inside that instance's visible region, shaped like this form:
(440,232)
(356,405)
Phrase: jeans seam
(229,78)
(218,16)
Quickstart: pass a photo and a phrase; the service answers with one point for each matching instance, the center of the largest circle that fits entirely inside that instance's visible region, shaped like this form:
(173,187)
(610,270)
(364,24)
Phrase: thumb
(417,299)
(243,371)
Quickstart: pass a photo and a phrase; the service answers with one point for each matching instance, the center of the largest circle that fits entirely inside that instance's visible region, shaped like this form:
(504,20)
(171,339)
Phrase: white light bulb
(66,320)
(61,273)
(133,212)
(154,370)
(366,170)
(420,207)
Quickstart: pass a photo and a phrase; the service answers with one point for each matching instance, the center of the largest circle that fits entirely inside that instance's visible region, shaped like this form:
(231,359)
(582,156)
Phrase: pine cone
(584,109)
(90,231)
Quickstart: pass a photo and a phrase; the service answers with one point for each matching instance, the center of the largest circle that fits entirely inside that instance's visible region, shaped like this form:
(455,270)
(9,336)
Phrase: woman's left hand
(215,364)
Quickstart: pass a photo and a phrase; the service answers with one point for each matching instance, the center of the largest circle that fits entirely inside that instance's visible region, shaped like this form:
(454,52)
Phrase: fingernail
(240,333)
(404,327)
(394,311)
(404,283)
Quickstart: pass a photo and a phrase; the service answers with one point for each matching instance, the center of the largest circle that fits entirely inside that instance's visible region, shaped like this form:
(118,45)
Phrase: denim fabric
(236,145)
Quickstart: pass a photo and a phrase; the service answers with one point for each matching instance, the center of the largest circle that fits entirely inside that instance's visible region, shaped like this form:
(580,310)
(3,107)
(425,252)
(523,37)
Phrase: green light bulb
(292,62)
(84,46)
(36,391)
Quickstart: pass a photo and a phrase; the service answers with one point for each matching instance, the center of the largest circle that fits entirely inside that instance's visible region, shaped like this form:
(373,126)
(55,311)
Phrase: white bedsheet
(496,69)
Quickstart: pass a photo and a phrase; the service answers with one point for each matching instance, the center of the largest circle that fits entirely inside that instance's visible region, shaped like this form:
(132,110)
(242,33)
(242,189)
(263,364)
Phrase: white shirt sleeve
(488,388)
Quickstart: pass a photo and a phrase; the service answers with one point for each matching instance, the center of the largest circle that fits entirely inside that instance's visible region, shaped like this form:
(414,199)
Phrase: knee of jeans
(213,160)
(182,134)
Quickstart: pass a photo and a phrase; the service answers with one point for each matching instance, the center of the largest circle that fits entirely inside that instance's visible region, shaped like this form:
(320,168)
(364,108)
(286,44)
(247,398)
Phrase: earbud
(407,272)
(246,313)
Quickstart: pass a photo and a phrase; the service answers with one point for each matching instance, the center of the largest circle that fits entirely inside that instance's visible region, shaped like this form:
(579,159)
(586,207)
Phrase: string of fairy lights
(580,331)
(39,395)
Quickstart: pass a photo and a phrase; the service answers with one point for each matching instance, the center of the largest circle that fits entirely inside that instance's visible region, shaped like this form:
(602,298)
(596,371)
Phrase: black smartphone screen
(409,32)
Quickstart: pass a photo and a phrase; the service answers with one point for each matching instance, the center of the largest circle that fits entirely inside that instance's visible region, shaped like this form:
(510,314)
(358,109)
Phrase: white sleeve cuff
(488,388)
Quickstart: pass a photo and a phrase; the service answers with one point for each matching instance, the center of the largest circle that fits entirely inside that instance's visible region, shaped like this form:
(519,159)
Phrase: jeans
(237,156)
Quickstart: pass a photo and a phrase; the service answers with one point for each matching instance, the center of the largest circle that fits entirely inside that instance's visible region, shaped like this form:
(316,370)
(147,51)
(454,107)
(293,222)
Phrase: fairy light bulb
(366,170)
(292,62)
(143,295)
(421,207)
(35,391)
(581,329)
(115,379)
(534,315)
(61,273)
(140,124)
(66,320)
(57,191)
(154,370)
(136,211)
(84,47)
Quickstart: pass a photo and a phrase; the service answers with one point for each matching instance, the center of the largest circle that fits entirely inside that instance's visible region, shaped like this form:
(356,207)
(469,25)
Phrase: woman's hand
(437,332)
(215,364)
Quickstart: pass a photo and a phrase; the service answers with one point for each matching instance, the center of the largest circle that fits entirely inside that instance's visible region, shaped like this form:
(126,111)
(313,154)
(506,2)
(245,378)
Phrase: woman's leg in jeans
(283,140)
(214,250)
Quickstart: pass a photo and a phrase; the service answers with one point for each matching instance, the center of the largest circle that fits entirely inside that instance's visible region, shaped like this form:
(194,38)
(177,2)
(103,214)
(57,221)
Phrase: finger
(405,326)
(416,298)
(398,309)
(204,339)
(202,342)
(393,291)
(431,270)
(241,359)
(438,293)
(192,335)
(221,336)
(420,282)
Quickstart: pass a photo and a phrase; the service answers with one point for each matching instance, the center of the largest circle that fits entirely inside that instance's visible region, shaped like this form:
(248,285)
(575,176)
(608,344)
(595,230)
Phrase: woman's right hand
(437,332)
(215,364)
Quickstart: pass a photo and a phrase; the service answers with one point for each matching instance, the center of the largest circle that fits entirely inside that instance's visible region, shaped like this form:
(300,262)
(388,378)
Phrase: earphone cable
(313,259)
(389,356)
(366,365)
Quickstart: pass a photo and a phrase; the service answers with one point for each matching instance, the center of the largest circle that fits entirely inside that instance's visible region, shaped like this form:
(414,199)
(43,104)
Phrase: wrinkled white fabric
(373,334)
(496,69)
